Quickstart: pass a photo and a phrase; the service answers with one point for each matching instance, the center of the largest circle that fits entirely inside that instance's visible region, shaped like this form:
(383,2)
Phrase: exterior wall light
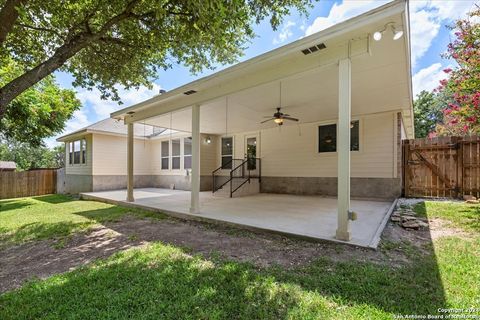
(397,34)
(208,140)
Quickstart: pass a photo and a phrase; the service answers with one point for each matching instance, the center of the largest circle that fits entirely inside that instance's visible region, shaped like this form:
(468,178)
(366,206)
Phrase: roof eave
(394,7)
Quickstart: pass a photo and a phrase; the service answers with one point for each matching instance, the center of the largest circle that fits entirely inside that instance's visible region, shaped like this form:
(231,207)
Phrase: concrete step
(245,190)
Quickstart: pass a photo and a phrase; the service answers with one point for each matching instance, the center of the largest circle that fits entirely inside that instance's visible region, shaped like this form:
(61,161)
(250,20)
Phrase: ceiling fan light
(278,121)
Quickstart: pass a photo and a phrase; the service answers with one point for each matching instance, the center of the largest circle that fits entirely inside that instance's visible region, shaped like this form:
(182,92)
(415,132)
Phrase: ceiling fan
(279,116)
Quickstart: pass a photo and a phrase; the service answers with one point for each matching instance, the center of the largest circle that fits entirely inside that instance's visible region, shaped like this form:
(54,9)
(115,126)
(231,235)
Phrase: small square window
(327,137)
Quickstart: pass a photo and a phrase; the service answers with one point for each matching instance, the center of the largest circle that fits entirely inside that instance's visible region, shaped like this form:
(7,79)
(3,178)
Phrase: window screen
(76,152)
(327,137)
(165,154)
(176,154)
(187,153)
(227,152)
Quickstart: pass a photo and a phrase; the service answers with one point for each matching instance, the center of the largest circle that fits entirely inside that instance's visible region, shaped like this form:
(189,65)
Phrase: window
(76,152)
(165,155)
(227,153)
(187,153)
(176,154)
(327,137)
(84,151)
(70,153)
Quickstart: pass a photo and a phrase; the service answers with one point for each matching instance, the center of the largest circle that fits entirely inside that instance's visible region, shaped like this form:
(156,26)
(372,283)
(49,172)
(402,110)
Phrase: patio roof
(381,81)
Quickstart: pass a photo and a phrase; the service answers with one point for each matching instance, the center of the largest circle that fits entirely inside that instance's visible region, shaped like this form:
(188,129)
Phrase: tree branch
(72,46)
(8,17)
(40,29)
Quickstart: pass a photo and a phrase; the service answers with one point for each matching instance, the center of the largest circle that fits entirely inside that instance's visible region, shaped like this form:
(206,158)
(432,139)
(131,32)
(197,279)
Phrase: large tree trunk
(8,16)
(15,87)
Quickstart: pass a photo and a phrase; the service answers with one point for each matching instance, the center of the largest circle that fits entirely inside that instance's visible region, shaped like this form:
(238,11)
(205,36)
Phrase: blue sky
(429,37)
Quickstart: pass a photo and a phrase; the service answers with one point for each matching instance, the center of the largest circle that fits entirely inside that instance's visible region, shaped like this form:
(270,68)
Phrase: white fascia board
(216,79)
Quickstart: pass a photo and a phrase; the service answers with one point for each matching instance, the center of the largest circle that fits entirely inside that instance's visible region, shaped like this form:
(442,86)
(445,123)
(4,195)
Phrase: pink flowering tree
(460,92)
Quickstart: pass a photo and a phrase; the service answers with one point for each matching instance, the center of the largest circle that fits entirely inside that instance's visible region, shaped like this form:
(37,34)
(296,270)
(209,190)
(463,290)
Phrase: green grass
(461,215)
(55,216)
(165,282)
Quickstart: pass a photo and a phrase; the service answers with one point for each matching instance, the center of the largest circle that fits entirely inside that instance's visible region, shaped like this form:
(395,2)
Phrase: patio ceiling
(380,82)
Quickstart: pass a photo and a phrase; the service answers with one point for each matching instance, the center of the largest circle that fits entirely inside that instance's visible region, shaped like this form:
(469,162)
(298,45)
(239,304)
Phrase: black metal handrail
(218,181)
(240,169)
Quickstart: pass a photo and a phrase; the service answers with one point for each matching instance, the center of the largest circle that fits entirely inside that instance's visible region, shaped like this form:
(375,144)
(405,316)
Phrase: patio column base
(343,235)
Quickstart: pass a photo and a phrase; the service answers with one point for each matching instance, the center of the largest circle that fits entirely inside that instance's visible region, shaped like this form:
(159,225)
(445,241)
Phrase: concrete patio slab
(305,216)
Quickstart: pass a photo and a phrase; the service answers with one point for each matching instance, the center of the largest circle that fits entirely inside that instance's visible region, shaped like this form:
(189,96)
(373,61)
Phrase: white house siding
(110,162)
(78,177)
(291,162)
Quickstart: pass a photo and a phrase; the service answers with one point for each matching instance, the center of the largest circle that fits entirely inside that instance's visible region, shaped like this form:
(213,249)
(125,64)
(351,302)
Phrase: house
(324,115)
(8,166)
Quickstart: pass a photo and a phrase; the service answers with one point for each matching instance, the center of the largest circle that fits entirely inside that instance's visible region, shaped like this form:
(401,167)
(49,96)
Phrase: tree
(427,114)
(103,43)
(461,91)
(30,157)
(40,112)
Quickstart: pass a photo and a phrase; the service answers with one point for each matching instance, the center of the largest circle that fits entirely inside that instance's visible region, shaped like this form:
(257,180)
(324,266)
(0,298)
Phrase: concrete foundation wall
(113,182)
(381,188)
(76,183)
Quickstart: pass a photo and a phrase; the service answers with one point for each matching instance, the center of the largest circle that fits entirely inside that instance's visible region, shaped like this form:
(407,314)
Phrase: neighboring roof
(116,127)
(8,165)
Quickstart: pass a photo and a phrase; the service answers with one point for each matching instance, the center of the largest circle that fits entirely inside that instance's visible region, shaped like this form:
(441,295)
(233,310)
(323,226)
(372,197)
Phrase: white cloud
(285,32)
(428,78)
(426,19)
(103,108)
(342,12)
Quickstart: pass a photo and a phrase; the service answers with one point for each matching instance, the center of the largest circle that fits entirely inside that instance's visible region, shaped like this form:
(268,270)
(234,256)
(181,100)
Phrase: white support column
(130,143)
(195,193)
(343,148)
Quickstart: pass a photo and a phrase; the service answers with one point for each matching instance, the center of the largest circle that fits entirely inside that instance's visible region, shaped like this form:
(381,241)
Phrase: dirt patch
(42,259)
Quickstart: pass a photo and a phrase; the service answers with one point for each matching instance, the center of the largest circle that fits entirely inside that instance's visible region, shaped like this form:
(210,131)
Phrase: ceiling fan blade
(290,118)
(286,115)
(267,120)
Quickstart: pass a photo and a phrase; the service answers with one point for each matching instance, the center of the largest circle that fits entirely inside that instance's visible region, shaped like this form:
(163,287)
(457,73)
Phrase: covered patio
(338,77)
(310,217)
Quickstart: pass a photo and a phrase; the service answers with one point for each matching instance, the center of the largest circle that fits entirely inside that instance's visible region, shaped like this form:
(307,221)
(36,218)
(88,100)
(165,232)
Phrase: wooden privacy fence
(27,183)
(441,167)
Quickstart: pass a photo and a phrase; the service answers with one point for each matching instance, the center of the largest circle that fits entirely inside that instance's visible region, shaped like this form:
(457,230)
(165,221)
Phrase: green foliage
(127,41)
(462,88)
(28,157)
(40,112)
(428,113)
(460,215)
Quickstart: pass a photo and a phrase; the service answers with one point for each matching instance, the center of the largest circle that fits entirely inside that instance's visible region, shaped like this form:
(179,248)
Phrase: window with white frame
(327,137)
(176,154)
(227,152)
(77,152)
(187,153)
(165,155)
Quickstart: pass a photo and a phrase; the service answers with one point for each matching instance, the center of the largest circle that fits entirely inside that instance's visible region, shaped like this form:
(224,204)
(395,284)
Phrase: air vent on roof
(189,92)
(313,49)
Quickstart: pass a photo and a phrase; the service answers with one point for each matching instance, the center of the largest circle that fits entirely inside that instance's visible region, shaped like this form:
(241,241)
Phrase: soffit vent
(313,49)
(189,92)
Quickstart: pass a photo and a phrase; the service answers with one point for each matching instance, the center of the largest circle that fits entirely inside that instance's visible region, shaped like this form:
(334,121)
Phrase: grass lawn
(160,281)
(55,216)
